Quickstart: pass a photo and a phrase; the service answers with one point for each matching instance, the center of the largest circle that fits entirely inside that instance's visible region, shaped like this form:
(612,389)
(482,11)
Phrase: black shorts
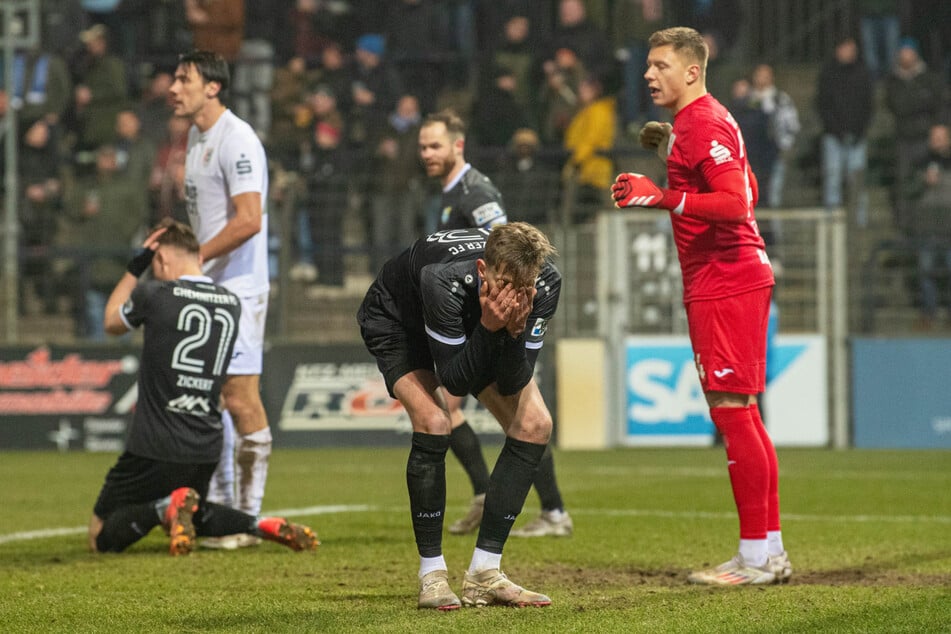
(393,333)
(135,480)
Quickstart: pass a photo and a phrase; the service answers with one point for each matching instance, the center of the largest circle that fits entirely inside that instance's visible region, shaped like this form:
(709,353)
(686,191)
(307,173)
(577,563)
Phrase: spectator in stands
(154,108)
(327,171)
(496,112)
(375,87)
(314,24)
(783,127)
(880,28)
(105,217)
(60,24)
(167,179)
(217,26)
(558,97)
(101,91)
(291,113)
(41,87)
(844,102)
(40,207)
(719,20)
(917,98)
(265,23)
(516,52)
(491,17)
(418,48)
(632,22)
(931,219)
(529,182)
(575,32)
(335,70)
(317,147)
(589,139)
(135,154)
(397,199)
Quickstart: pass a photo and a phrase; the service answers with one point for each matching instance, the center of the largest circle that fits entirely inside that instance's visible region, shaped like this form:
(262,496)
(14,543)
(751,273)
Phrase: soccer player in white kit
(226,187)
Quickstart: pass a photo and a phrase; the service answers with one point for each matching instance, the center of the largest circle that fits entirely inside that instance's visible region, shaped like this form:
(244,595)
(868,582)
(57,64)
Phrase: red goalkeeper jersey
(717,259)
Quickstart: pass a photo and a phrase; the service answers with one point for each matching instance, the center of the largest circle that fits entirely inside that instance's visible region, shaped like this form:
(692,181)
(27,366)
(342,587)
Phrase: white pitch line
(685,515)
(78,530)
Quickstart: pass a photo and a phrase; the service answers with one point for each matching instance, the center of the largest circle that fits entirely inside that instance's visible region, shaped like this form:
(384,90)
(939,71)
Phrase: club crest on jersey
(540,327)
(487,213)
(720,153)
(445,214)
(206,157)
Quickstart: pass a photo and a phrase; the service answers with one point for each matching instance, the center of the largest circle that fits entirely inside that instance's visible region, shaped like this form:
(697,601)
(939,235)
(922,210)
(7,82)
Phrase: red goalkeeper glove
(635,190)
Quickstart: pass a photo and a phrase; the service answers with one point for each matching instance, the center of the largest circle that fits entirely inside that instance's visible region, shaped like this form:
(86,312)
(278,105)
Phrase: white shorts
(248,355)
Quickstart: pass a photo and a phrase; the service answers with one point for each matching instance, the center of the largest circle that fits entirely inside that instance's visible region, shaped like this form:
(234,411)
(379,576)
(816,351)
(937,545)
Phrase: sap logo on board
(665,391)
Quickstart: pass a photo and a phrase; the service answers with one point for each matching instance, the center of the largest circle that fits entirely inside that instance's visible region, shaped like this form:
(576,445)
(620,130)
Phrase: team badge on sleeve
(540,327)
(487,213)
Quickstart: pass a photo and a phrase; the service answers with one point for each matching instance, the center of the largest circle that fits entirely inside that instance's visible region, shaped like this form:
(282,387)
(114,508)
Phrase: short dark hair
(211,67)
(455,126)
(177,234)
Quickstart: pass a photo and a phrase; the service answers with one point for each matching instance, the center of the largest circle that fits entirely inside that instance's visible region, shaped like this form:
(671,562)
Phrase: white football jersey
(223,162)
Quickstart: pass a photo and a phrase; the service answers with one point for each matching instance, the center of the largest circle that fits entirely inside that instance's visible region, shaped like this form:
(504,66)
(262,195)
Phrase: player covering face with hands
(727,280)
(467,310)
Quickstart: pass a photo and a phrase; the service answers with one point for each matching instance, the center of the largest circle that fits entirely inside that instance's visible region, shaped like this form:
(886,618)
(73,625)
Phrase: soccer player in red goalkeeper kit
(727,282)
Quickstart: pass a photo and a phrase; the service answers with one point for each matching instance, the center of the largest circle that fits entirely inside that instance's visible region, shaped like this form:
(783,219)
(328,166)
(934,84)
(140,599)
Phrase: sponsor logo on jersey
(487,213)
(720,153)
(243,166)
(188,404)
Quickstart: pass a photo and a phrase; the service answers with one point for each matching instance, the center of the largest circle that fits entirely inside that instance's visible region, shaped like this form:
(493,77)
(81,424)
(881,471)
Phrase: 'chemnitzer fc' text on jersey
(224,161)
(190,327)
(717,259)
(471,200)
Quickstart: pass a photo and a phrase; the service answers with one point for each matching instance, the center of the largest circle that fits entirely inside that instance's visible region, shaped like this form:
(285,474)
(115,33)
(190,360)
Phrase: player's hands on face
(655,136)
(524,299)
(498,303)
(635,190)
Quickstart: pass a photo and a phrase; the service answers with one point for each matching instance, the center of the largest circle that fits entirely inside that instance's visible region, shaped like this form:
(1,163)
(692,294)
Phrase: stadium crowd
(552,91)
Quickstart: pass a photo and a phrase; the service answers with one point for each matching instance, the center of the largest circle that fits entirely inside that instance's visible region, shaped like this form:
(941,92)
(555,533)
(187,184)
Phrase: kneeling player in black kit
(467,309)
(175,438)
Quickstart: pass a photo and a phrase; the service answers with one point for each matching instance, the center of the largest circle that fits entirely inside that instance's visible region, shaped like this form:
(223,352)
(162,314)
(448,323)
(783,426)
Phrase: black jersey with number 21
(190,326)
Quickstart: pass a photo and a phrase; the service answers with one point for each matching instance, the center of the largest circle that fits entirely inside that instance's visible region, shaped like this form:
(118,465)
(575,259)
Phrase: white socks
(431,564)
(250,465)
(753,551)
(221,486)
(484,560)
(774,541)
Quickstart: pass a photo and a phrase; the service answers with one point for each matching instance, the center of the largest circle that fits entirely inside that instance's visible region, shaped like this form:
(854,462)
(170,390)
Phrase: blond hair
(520,250)
(685,41)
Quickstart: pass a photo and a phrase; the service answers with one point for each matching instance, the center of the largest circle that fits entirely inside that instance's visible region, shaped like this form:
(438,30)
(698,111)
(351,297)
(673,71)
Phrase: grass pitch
(868,532)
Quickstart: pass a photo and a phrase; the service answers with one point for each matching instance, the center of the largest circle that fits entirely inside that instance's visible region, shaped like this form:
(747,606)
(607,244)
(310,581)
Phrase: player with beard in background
(470,200)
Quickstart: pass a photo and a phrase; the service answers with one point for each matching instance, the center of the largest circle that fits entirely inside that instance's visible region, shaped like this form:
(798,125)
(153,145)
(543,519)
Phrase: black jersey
(190,328)
(472,202)
(434,286)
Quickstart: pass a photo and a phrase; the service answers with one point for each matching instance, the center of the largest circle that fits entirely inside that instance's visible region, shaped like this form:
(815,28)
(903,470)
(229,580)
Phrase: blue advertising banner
(900,395)
(664,404)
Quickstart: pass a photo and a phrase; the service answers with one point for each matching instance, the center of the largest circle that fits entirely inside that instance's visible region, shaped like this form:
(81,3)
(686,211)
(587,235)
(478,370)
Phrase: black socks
(426,482)
(465,445)
(511,479)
